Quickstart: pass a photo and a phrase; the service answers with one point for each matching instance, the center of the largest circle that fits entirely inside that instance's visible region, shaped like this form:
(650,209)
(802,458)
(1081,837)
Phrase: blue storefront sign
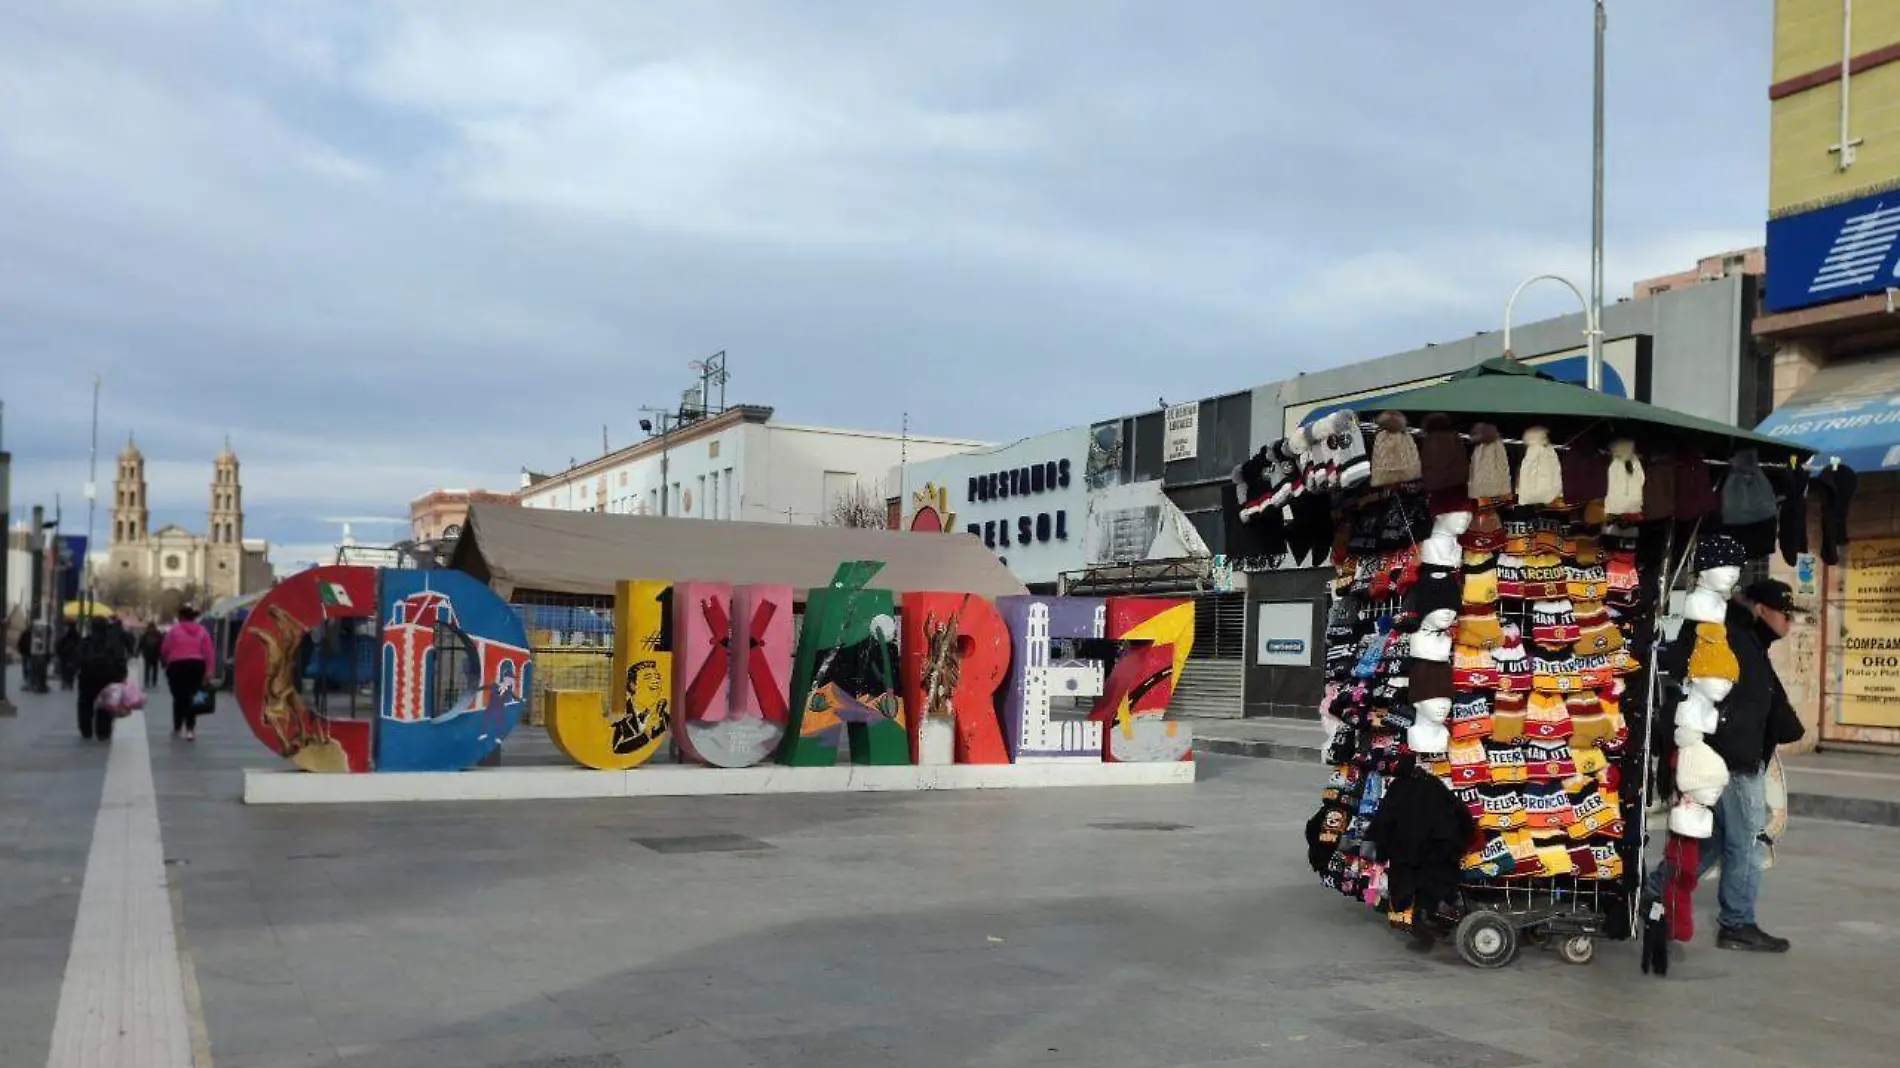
(72,559)
(1833,253)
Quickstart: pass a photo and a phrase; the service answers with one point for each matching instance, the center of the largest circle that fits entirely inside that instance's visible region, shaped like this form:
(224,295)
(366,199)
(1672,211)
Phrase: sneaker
(1751,938)
(192,736)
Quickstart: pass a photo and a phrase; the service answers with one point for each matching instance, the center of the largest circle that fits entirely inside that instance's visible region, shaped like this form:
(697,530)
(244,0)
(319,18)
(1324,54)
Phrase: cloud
(388,246)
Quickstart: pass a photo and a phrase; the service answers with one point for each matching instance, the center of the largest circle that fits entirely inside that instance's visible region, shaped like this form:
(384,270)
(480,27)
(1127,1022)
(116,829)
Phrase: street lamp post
(92,495)
(664,416)
(1596,215)
(1590,331)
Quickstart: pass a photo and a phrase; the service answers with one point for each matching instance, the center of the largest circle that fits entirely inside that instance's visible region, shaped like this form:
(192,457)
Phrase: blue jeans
(1740,815)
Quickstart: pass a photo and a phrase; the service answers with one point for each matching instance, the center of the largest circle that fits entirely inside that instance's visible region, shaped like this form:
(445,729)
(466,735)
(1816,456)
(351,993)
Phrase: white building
(738,464)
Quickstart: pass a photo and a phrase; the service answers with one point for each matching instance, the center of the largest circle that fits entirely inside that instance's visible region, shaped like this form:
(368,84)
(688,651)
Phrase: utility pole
(664,418)
(1596,216)
(6,556)
(38,643)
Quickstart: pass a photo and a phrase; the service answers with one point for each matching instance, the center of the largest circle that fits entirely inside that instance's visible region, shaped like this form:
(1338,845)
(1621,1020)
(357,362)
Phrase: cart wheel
(1486,939)
(1577,949)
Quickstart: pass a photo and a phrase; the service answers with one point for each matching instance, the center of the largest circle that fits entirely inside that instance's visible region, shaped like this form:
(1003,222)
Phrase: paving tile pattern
(1168,926)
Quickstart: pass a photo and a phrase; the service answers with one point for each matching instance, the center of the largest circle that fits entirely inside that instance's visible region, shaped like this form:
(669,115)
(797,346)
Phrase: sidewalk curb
(1808,805)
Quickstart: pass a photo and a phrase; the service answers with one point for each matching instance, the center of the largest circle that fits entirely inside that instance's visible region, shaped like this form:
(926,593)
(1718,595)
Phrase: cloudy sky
(388,247)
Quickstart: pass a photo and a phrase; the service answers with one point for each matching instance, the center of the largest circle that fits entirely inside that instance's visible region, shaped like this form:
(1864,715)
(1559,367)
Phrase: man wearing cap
(1756,717)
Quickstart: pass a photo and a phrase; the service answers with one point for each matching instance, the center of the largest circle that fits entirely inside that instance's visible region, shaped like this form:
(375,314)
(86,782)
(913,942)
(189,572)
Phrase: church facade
(220,563)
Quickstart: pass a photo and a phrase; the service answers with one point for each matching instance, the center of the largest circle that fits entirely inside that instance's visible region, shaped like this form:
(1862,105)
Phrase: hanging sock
(1791,527)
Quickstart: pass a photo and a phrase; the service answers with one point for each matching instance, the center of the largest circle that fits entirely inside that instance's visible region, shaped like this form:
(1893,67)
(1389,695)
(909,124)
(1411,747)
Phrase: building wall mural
(712,671)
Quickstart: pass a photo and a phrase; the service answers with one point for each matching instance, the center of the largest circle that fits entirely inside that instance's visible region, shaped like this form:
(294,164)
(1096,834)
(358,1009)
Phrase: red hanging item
(1681,859)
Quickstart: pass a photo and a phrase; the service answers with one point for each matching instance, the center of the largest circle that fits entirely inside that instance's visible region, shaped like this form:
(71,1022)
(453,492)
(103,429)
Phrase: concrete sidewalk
(1856,787)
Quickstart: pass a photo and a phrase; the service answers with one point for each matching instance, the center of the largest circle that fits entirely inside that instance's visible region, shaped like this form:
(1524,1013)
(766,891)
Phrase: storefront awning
(1849,410)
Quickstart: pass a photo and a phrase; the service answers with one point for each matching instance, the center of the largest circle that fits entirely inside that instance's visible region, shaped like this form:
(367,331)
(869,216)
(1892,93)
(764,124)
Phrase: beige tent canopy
(549,551)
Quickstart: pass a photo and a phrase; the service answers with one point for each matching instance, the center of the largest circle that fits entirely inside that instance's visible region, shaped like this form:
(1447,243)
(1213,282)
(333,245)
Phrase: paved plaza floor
(1136,926)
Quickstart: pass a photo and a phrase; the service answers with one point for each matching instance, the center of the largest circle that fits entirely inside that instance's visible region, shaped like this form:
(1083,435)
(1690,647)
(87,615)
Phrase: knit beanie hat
(1586,472)
(1555,673)
(1514,667)
(1345,448)
(1473,669)
(1469,764)
(1701,774)
(1546,807)
(1394,454)
(1489,476)
(1508,713)
(1547,717)
(1481,581)
(1501,808)
(1625,491)
(1695,491)
(1442,455)
(1505,763)
(1519,526)
(1479,627)
(1589,723)
(1545,577)
(1690,820)
(1539,476)
(1586,582)
(1429,680)
(1719,550)
(1758,539)
(1712,658)
(1595,632)
(1553,623)
(1659,488)
(1594,670)
(1625,579)
(1746,495)
(1491,860)
(1430,644)
(1309,529)
(1510,575)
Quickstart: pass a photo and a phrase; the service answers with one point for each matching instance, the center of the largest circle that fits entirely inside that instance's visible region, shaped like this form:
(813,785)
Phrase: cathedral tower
(226,518)
(130,520)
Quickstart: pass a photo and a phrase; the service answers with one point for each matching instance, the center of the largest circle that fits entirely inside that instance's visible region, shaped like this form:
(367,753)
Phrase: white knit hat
(1691,820)
(1429,644)
(1625,495)
(1540,479)
(1701,776)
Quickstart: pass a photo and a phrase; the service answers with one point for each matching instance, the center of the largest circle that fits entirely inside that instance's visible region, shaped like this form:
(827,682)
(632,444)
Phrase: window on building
(1733,261)
(712,449)
(623,478)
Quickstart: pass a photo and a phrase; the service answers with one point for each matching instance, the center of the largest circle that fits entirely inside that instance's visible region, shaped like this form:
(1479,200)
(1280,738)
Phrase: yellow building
(1832,322)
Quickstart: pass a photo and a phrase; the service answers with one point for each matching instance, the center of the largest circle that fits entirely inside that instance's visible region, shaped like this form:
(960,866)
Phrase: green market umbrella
(1506,392)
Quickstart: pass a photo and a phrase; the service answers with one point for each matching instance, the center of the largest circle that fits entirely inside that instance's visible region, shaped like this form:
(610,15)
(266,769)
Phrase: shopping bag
(120,699)
(205,701)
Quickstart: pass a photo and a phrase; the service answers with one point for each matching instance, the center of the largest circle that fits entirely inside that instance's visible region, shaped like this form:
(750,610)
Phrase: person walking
(149,642)
(187,653)
(66,656)
(1756,718)
(100,662)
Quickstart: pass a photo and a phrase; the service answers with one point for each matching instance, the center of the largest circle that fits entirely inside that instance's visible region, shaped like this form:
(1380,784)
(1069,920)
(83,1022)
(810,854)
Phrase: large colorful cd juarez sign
(422,625)
(711,672)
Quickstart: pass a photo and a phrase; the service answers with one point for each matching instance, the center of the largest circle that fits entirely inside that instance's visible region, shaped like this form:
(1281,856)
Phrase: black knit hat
(1719,550)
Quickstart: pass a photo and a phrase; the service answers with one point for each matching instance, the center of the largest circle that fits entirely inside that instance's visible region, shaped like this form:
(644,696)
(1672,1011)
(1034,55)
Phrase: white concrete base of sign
(289,786)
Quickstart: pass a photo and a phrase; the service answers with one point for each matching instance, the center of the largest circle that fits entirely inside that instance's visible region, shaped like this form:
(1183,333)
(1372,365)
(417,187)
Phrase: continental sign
(712,673)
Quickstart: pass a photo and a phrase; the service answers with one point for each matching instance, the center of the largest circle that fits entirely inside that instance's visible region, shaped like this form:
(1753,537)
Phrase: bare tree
(124,591)
(857,507)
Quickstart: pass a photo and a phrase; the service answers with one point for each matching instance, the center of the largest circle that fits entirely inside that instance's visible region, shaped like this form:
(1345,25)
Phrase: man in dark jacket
(102,662)
(1756,717)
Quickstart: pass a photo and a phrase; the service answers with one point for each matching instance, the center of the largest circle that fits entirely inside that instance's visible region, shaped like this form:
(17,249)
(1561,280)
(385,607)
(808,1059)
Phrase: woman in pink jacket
(187,655)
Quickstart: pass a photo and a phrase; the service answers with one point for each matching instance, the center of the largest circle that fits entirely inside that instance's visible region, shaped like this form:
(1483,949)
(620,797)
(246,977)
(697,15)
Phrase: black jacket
(1422,831)
(1757,716)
